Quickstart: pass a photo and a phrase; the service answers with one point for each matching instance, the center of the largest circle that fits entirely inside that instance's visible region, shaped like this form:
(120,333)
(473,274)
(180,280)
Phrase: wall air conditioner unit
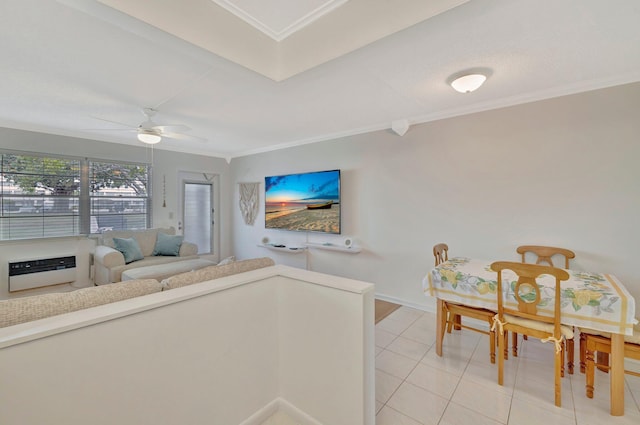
(36,273)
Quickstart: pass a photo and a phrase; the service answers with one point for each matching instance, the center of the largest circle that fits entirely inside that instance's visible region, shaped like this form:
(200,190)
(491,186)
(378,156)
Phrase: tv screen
(307,202)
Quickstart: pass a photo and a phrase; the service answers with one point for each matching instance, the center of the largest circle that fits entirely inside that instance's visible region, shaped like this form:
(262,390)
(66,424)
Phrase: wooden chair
(544,254)
(525,319)
(601,342)
(453,312)
(441,253)
(602,359)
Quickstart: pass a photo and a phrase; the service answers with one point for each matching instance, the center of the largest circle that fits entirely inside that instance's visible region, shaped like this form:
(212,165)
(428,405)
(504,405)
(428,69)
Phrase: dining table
(597,301)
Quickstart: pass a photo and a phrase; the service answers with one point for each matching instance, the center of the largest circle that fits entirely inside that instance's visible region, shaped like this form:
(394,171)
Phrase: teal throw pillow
(129,248)
(167,244)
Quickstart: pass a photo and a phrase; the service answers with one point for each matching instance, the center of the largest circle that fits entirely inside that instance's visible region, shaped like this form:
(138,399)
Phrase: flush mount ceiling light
(468,83)
(148,137)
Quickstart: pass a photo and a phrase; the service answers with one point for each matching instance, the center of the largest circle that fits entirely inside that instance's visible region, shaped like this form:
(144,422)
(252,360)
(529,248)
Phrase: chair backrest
(544,253)
(527,291)
(441,253)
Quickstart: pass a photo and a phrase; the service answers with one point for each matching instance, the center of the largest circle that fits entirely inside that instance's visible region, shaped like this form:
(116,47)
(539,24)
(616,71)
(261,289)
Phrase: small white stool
(163,271)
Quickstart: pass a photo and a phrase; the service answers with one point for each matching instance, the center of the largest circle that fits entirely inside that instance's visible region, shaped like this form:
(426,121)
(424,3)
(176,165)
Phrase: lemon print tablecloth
(591,300)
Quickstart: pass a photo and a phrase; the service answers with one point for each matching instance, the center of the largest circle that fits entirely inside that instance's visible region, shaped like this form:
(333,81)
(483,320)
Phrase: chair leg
(559,365)
(506,345)
(582,352)
(603,361)
(443,325)
(450,320)
(501,348)
(590,371)
(562,351)
(492,345)
(457,322)
(570,355)
(514,341)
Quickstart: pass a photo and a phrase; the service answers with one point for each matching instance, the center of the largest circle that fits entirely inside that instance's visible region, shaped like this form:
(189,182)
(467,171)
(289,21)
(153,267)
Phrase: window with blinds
(119,196)
(45,196)
(40,197)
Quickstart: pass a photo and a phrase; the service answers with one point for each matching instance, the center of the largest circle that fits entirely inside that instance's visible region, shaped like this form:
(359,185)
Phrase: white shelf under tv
(285,249)
(333,247)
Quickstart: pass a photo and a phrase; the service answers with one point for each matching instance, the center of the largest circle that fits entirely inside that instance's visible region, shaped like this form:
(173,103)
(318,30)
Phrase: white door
(198,212)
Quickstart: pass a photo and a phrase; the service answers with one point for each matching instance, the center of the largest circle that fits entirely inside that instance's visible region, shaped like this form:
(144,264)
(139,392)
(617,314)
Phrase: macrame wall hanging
(249,201)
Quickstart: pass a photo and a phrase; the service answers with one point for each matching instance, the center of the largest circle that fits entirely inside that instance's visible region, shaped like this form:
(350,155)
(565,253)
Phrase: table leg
(616,374)
(439,327)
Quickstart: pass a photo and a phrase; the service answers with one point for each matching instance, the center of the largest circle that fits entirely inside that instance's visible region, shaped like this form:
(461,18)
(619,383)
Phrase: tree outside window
(43,196)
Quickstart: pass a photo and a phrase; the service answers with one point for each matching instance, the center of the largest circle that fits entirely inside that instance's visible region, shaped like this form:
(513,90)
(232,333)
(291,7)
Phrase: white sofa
(110,263)
(26,309)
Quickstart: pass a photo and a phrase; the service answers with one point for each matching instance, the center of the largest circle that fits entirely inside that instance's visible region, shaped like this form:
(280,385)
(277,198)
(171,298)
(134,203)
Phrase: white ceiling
(68,67)
(279,18)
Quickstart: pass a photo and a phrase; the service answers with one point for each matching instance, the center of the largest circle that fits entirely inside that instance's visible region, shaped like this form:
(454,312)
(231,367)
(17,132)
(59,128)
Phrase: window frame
(148,199)
(84,197)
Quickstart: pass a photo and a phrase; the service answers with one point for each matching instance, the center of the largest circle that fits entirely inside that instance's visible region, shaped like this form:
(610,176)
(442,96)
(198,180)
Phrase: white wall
(166,166)
(217,352)
(560,172)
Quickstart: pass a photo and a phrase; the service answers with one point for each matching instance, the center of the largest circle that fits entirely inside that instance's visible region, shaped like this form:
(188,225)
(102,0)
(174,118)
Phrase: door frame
(186,177)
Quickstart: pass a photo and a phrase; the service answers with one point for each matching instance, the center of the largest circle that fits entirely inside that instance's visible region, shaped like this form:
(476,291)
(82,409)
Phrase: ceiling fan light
(149,138)
(468,83)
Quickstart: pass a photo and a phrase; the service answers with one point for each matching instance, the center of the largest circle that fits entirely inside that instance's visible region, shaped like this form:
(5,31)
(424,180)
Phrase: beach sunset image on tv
(303,202)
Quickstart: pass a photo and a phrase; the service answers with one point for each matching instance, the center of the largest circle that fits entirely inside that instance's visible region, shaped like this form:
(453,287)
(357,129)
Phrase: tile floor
(414,386)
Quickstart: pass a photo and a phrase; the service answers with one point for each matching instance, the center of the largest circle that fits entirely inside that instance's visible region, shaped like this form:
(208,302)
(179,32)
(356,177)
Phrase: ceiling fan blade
(171,128)
(169,131)
(110,129)
(116,122)
(180,136)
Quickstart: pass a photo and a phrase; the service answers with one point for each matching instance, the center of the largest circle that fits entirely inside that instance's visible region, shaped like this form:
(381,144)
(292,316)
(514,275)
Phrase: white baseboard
(280,405)
(262,414)
(405,303)
(429,309)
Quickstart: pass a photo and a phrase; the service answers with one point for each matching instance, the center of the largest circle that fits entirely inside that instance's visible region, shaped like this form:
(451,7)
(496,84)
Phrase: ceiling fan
(151,133)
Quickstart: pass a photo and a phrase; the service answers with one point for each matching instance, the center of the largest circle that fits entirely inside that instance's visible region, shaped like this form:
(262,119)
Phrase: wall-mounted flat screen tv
(307,202)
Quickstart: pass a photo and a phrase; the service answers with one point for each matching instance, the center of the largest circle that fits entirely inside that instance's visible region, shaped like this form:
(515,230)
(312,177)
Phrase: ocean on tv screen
(303,202)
